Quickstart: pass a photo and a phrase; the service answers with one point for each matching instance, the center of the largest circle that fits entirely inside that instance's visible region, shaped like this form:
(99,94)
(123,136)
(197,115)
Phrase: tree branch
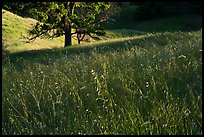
(82,37)
(96,38)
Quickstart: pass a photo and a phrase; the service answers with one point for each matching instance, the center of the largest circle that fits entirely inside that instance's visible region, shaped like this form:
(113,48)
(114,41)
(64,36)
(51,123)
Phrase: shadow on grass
(101,47)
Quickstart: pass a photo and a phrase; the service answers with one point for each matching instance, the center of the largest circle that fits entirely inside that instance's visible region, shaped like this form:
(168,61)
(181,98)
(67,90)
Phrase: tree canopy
(67,18)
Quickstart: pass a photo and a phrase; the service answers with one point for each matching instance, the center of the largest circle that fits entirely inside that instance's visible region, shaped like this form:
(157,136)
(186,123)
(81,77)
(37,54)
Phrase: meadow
(129,83)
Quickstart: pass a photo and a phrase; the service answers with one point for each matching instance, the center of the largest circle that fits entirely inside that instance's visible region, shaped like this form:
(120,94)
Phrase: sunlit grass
(152,85)
(15,34)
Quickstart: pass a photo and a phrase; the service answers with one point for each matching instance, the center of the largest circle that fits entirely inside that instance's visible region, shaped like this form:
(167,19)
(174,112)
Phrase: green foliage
(84,17)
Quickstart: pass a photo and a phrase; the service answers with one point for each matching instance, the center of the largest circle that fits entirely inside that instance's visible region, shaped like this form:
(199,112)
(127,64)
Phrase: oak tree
(71,19)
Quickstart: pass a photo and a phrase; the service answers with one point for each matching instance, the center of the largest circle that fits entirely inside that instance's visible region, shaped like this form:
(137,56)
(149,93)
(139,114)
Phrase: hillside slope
(14,33)
(179,22)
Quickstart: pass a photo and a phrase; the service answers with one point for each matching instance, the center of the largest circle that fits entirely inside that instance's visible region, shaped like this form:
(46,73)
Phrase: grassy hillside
(15,30)
(130,82)
(180,22)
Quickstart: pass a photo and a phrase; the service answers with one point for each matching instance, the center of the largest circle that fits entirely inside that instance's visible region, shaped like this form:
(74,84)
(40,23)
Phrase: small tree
(71,18)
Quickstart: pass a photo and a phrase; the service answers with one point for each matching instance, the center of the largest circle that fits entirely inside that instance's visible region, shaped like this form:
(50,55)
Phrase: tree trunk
(67,25)
(78,38)
(68,36)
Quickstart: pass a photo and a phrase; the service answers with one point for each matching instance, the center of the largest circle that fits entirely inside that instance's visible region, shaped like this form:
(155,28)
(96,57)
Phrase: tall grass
(147,89)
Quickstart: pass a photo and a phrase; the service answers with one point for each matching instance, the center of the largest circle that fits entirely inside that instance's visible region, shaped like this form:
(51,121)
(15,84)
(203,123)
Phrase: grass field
(130,82)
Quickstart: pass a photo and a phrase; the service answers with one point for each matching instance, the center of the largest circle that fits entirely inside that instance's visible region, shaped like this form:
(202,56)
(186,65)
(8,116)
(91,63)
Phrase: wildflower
(147,84)
(102,77)
(182,56)
(93,72)
(99,117)
(164,125)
